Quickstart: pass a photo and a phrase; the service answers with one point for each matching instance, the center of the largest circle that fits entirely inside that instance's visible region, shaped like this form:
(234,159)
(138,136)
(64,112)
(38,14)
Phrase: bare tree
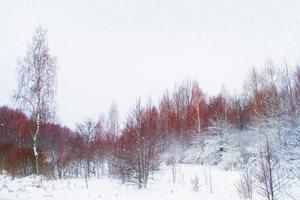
(36,85)
(252,88)
(287,87)
(174,157)
(113,126)
(245,184)
(271,185)
(87,130)
(138,149)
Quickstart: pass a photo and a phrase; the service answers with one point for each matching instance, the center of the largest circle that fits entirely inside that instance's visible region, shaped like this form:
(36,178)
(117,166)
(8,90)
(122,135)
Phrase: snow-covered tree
(217,138)
(245,184)
(271,179)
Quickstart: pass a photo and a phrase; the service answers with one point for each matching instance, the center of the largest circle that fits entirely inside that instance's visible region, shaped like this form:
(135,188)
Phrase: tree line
(32,143)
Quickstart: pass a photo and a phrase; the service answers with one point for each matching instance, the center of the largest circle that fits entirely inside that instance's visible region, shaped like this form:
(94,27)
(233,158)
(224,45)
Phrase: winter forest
(256,134)
(187,144)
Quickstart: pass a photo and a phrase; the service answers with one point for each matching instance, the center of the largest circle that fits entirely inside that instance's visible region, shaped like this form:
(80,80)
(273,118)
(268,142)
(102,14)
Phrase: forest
(256,132)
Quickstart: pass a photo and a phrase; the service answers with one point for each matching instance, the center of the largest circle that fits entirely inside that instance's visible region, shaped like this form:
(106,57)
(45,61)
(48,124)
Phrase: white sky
(118,50)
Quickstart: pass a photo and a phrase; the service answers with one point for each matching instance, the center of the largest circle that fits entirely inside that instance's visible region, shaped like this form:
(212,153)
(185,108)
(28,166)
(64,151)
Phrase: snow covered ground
(162,187)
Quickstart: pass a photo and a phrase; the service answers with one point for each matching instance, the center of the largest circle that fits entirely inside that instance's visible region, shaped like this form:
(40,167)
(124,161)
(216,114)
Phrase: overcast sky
(118,50)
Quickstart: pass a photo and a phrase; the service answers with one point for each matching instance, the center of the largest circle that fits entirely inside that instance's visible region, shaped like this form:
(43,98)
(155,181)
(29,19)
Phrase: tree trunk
(35,152)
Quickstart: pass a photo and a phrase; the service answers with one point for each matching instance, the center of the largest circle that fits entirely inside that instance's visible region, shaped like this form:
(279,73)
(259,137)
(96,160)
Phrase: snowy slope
(160,188)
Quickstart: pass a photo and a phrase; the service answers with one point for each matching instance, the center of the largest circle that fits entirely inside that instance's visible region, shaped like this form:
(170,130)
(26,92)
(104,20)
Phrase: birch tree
(36,85)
